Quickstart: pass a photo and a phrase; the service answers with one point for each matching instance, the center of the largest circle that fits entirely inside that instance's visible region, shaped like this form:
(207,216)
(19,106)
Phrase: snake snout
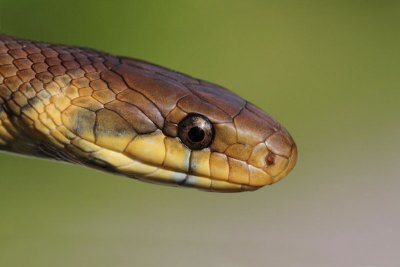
(282,155)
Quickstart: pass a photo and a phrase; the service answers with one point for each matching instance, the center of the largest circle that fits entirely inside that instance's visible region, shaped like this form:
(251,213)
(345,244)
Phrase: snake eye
(195,131)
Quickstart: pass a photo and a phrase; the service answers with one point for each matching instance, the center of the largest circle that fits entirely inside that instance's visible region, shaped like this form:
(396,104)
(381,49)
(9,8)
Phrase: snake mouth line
(201,183)
(160,175)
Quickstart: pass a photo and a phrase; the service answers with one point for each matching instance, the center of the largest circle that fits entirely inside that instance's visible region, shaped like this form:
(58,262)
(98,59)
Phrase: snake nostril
(270,159)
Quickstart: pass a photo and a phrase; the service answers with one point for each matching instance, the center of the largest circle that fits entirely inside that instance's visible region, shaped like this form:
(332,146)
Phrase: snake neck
(12,138)
(5,137)
(16,138)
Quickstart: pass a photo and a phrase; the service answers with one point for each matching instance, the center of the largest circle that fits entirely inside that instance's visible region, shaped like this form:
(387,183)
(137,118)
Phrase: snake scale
(136,119)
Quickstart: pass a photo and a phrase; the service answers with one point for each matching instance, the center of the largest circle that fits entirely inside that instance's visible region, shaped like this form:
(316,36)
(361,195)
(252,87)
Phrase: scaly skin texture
(121,115)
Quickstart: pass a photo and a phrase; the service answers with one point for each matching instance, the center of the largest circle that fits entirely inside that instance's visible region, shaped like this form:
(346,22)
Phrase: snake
(136,119)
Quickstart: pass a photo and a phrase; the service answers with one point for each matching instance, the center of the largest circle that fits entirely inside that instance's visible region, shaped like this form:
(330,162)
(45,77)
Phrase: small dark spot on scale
(270,159)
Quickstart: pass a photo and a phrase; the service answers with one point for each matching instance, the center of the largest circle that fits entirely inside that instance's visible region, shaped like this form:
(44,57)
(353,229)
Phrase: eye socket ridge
(196,131)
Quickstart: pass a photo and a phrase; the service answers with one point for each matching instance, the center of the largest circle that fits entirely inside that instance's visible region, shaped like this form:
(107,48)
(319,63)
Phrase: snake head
(248,149)
(136,119)
(206,136)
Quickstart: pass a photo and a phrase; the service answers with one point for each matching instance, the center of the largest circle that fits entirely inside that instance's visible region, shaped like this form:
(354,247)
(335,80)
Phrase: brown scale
(76,104)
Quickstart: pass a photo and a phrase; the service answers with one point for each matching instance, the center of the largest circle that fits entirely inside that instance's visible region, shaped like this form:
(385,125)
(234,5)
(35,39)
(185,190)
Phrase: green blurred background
(327,70)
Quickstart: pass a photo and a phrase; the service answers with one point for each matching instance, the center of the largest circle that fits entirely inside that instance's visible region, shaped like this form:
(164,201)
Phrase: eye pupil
(196,134)
(196,131)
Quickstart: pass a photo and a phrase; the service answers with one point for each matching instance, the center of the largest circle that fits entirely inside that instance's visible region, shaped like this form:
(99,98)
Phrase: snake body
(125,116)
